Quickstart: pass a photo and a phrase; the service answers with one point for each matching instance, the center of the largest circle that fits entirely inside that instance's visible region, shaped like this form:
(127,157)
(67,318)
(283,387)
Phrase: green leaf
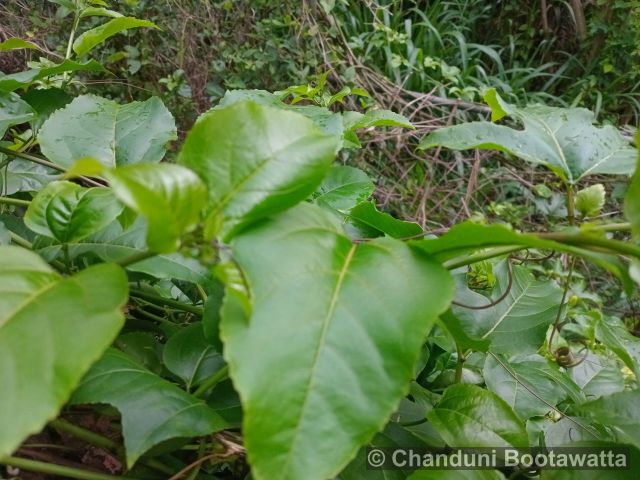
(113,244)
(9,83)
(15,43)
(25,176)
(499,108)
(13,111)
(345,322)
(256,160)
(371,222)
(328,5)
(619,410)
(45,102)
(597,376)
(153,410)
(5,234)
(590,200)
(51,330)
(375,118)
(169,196)
(549,432)
(470,416)
(613,334)
(463,340)
(188,355)
(114,134)
(94,37)
(563,139)
(343,188)
(143,347)
(68,212)
(531,385)
(632,198)
(99,12)
(517,324)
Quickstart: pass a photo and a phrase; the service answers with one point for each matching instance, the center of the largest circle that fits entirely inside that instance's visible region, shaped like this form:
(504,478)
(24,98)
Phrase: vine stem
(459,365)
(14,201)
(567,285)
(480,256)
(24,243)
(76,22)
(58,470)
(212,381)
(104,442)
(45,163)
(571,205)
(136,257)
(610,227)
(83,434)
(166,301)
(581,240)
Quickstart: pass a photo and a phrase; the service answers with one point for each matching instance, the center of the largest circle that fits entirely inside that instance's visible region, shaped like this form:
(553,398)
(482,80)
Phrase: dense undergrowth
(196,280)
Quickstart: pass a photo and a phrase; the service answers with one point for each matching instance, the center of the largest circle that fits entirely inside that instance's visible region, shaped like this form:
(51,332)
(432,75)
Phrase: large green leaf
(114,134)
(563,139)
(470,416)
(619,410)
(169,196)
(531,385)
(13,111)
(632,199)
(114,243)
(51,330)
(612,332)
(342,323)
(256,160)
(24,176)
(68,212)
(153,410)
(94,37)
(597,375)
(343,188)
(9,83)
(518,323)
(188,355)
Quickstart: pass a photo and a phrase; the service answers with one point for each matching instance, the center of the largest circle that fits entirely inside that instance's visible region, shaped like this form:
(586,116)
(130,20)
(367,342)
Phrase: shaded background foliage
(429,60)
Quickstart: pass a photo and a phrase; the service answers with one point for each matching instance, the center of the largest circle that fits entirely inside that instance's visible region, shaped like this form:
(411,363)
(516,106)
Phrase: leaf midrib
(321,342)
(508,311)
(13,313)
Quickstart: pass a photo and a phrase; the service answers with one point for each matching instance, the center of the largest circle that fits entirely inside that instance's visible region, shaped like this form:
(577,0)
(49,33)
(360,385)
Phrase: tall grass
(459,47)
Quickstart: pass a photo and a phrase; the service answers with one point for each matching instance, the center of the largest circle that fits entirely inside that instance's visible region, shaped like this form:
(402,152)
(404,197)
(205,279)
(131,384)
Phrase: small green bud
(590,200)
